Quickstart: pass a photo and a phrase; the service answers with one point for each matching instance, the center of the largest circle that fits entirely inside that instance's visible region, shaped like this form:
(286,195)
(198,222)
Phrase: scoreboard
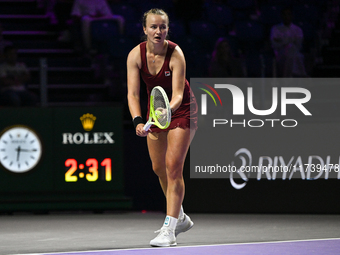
(62,158)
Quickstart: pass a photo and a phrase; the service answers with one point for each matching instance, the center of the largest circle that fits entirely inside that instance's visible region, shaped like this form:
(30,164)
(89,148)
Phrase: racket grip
(147,126)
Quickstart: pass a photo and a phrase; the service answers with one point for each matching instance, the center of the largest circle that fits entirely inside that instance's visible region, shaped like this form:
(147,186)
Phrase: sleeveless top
(186,115)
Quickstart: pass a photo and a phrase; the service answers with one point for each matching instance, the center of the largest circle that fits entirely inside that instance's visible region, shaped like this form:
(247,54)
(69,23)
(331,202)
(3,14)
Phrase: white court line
(181,247)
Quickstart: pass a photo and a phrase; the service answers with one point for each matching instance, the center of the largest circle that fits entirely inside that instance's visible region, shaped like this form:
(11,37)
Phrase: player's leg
(157,151)
(178,144)
(184,222)
(177,141)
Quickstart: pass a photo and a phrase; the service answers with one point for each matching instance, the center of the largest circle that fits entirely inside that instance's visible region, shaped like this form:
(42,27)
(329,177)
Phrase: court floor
(130,232)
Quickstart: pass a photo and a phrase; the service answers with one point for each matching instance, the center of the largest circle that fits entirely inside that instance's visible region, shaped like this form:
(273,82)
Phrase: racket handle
(147,126)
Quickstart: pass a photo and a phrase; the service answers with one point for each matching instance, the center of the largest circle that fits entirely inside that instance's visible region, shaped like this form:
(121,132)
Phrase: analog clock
(20,149)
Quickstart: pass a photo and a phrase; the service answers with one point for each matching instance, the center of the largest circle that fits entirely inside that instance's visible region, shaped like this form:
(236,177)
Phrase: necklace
(153,61)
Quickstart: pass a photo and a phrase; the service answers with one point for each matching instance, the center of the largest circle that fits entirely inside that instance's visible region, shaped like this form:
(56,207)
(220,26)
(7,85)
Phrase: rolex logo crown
(87,120)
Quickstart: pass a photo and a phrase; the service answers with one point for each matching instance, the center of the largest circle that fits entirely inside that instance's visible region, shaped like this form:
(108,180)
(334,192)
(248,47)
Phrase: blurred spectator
(286,39)
(3,44)
(83,13)
(13,78)
(223,63)
(48,5)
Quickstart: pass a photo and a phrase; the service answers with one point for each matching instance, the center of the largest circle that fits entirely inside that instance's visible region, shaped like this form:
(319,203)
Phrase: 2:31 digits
(91,169)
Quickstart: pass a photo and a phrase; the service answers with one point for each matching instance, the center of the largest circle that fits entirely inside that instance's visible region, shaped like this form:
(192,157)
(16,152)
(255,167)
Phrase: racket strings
(161,109)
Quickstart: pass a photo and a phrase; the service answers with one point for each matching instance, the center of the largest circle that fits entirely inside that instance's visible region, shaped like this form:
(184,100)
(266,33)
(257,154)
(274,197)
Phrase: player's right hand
(140,131)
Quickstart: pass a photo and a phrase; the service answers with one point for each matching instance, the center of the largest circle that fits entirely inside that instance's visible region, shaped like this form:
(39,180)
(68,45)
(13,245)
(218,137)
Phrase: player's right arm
(134,64)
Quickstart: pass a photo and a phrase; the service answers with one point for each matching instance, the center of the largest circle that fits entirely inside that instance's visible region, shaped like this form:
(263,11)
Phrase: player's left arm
(178,67)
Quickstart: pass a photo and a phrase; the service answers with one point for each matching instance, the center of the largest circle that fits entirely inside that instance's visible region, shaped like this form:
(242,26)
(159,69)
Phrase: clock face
(20,149)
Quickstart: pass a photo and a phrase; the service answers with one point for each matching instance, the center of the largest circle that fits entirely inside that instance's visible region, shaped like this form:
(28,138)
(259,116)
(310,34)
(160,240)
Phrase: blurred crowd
(235,37)
(220,38)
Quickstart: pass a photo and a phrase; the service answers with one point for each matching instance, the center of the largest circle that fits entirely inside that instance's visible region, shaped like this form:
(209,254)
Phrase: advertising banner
(251,131)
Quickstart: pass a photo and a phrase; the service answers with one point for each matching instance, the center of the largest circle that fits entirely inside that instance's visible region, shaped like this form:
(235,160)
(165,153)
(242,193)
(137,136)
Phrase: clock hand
(18,154)
(28,150)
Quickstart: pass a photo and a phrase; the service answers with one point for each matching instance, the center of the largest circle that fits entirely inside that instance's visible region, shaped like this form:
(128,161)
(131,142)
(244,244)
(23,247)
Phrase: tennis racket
(160,112)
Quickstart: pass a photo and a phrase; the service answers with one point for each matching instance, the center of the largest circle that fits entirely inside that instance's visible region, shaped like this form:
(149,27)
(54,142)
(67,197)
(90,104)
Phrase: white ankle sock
(170,222)
(181,214)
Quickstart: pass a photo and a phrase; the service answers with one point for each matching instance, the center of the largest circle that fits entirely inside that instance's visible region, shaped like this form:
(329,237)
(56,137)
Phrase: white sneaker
(183,225)
(165,238)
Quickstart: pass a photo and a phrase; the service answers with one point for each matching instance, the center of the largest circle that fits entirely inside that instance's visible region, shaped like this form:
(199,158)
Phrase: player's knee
(175,176)
(175,170)
(159,170)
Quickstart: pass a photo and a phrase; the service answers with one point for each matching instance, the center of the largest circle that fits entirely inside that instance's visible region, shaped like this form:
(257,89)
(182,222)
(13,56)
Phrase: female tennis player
(161,62)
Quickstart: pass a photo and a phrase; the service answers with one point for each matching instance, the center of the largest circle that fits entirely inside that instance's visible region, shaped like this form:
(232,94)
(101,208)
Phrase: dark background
(82,80)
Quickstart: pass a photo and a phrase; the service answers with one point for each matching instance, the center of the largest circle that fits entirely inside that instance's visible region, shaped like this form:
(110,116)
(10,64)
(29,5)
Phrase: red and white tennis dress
(186,115)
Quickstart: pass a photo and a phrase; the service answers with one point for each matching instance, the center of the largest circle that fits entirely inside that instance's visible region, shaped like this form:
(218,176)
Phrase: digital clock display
(62,158)
(92,170)
(89,146)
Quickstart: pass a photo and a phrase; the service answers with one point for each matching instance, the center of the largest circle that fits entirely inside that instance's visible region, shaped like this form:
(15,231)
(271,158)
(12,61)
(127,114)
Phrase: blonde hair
(154,11)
